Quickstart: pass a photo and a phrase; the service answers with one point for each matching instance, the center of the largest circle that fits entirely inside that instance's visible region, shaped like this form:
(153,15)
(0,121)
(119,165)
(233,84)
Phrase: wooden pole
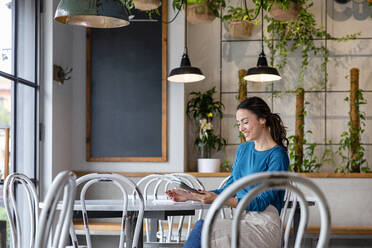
(299,131)
(354,115)
(242,86)
(6,151)
(242,95)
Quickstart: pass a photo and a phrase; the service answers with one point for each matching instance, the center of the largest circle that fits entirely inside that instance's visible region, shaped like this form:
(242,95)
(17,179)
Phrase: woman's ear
(262,121)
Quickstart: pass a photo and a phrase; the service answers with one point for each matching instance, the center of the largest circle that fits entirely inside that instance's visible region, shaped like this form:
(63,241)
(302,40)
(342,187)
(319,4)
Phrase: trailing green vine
(310,162)
(304,31)
(358,163)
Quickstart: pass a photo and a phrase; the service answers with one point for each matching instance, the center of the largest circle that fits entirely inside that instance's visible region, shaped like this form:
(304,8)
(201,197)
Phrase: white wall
(46,95)
(204,52)
(55,98)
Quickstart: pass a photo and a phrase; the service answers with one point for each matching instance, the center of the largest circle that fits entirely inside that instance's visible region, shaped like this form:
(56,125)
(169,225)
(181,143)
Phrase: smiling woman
(265,149)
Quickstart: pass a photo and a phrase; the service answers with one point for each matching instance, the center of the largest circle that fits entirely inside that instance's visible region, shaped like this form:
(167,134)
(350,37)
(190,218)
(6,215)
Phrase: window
(19,90)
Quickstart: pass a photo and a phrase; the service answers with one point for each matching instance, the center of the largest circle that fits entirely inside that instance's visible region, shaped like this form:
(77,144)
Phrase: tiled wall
(328,112)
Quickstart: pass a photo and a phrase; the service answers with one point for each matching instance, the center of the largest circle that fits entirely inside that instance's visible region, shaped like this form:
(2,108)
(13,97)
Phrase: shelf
(226,174)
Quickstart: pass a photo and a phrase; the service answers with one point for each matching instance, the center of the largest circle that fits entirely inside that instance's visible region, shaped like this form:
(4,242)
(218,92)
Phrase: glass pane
(25,130)
(26,40)
(6,41)
(5,125)
(4,223)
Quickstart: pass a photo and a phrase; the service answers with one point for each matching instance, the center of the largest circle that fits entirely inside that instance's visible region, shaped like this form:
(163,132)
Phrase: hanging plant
(138,4)
(200,11)
(285,11)
(354,160)
(300,33)
(146,5)
(238,22)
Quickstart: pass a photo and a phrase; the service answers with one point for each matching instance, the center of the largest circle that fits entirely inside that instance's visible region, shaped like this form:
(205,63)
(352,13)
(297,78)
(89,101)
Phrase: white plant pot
(207,165)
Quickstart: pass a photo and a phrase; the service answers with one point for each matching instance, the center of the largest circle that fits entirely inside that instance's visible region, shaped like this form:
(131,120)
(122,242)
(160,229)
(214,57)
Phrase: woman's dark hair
(260,108)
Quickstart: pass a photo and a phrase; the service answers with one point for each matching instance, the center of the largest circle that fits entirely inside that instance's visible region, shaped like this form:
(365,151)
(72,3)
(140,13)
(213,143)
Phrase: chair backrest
(12,210)
(265,181)
(122,183)
(154,187)
(286,222)
(64,181)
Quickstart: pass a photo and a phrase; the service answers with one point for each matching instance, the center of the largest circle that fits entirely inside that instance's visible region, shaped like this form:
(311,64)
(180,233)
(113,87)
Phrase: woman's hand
(205,196)
(180,195)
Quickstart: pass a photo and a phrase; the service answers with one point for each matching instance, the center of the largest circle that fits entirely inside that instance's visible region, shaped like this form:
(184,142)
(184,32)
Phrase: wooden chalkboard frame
(164,136)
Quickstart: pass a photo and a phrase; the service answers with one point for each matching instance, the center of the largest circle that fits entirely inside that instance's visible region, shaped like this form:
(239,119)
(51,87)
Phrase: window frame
(18,81)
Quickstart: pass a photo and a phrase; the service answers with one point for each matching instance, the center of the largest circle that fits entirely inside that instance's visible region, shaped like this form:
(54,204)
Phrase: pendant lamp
(185,73)
(262,72)
(92,13)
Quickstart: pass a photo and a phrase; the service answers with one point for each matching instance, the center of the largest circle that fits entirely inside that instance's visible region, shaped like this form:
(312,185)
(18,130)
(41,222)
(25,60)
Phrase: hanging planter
(146,4)
(237,22)
(199,13)
(240,29)
(277,11)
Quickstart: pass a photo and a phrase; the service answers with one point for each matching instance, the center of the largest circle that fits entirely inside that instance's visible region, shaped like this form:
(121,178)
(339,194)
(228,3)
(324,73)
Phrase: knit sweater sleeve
(278,162)
(231,178)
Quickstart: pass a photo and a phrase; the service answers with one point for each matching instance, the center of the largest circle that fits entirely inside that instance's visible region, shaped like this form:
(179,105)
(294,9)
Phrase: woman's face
(249,124)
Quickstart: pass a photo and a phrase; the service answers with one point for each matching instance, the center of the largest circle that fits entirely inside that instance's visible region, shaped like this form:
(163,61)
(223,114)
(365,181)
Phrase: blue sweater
(249,161)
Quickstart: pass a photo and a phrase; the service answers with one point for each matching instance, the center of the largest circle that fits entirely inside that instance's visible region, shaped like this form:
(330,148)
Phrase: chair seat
(174,236)
(161,245)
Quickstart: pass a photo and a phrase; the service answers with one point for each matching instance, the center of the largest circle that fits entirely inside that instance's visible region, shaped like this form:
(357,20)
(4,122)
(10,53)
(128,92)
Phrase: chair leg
(2,233)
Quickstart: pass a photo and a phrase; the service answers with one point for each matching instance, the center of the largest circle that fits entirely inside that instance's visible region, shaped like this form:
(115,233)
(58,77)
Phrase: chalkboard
(127,92)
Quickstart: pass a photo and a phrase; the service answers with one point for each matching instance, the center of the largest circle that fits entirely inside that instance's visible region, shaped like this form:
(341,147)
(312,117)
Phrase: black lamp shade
(92,13)
(263,72)
(185,73)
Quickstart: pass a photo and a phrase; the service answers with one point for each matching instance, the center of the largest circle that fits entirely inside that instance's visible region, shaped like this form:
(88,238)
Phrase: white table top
(150,205)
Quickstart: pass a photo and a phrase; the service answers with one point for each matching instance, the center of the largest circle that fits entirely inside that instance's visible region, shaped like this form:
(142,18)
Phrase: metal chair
(263,182)
(154,187)
(122,183)
(284,220)
(12,210)
(64,181)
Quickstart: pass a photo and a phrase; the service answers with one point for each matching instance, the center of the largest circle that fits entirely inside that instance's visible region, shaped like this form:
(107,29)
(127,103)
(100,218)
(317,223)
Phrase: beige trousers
(257,229)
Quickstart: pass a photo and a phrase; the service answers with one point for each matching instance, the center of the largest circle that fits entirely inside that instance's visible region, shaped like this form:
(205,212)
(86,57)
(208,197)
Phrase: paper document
(167,202)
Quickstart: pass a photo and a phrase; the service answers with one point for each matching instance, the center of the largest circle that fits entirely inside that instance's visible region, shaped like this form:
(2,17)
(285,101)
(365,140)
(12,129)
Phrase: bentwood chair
(63,184)
(286,222)
(12,211)
(154,187)
(265,181)
(125,185)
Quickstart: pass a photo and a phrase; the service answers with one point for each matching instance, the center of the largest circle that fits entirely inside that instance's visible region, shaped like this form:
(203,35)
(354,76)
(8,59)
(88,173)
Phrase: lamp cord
(262,26)
(247,13)
(174,18)
(185,27)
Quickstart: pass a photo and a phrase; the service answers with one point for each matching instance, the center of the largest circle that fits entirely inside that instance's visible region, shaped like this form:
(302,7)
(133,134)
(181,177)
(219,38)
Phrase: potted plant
(203,108)
(238,23)
(146,4)
(284,10)
(200,11)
